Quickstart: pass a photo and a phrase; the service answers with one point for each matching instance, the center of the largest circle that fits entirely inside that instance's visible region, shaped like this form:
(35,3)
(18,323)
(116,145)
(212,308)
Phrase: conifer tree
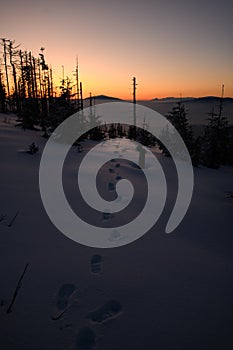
(178,117)
(216,142)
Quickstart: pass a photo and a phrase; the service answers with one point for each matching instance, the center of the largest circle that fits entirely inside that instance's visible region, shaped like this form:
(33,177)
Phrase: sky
(171,47)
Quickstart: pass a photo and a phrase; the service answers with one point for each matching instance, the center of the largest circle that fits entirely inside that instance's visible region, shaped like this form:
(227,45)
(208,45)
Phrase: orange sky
(171,47)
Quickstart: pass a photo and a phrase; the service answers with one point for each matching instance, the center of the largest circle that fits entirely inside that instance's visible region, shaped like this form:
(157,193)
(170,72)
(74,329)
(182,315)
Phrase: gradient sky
(172,47)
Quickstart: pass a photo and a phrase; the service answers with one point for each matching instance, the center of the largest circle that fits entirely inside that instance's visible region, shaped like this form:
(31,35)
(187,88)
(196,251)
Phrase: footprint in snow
(86,339)
(111,186)
(110,310)
(96,263)
(64,299)
(106,216)
(116,236)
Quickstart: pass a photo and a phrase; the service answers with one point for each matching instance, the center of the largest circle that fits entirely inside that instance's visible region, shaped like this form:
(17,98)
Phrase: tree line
(27,89)
(214,147)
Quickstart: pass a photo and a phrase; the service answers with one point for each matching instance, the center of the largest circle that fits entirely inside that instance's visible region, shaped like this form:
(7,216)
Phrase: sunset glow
(172,48)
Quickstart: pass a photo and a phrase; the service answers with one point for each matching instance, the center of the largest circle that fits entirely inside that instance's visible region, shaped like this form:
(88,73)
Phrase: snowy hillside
(160,292)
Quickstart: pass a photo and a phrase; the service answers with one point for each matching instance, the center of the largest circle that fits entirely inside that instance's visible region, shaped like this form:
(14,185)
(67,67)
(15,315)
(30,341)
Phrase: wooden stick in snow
(18,286)
(12,221)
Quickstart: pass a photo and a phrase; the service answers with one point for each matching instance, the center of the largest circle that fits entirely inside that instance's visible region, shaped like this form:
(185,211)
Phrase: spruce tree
(216,145)
(178,117)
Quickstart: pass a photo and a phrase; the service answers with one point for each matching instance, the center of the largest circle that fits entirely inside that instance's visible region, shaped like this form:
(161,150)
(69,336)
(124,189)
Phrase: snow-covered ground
(159,292)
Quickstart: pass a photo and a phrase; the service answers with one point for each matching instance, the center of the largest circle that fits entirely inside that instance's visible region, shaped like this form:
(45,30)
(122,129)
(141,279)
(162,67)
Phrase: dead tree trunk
(11,52)
(23,87)
(51,83)
(81,96)
(6,68)
(35,77)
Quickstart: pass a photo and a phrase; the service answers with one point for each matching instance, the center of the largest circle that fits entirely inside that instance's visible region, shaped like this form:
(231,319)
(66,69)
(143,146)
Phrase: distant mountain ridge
(193,99)
(104,97)
(167,99)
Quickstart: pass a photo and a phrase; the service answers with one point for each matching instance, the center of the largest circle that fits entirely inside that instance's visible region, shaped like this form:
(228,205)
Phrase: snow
(175,290)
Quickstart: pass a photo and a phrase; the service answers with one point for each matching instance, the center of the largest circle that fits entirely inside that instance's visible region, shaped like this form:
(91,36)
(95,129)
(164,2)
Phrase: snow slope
(160,292)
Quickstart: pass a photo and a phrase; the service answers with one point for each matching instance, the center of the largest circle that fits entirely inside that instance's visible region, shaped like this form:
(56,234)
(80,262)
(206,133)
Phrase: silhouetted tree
(216,142)
(2,95)
(131,132)
(4,42)
(178,117)
(13,55)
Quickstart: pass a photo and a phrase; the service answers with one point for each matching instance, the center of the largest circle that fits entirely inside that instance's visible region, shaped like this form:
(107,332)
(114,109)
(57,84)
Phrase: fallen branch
(18,286)
(12,221)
